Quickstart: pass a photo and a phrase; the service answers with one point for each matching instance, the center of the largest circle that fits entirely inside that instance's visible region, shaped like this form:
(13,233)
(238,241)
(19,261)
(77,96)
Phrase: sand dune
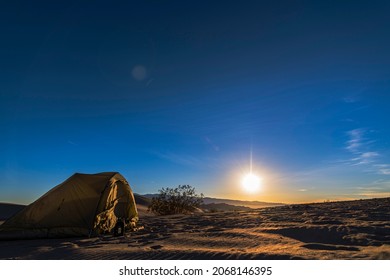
(338,230)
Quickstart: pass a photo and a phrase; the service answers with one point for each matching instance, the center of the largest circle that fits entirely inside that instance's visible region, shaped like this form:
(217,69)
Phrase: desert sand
(334,230)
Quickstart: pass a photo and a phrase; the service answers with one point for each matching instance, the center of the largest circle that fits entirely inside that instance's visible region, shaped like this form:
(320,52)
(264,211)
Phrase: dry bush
(182,199)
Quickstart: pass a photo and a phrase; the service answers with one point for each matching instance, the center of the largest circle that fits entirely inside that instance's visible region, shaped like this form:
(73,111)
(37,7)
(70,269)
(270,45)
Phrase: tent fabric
(83,205)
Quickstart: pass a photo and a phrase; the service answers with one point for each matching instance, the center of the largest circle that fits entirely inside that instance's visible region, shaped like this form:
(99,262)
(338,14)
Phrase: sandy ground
(338,230)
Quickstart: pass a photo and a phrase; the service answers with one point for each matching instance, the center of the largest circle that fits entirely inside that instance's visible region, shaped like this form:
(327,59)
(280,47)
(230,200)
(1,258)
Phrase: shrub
(182,199)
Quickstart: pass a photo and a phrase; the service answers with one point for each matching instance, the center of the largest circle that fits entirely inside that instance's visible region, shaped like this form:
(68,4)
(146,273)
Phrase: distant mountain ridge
(7,210)
(233,202)
(250,204)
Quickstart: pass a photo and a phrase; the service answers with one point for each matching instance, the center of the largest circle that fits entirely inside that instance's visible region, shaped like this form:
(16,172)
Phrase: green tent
(83,205)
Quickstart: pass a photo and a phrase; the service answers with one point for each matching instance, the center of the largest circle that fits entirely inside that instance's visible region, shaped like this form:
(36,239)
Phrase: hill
(224,203)
(249,204)
(7,210)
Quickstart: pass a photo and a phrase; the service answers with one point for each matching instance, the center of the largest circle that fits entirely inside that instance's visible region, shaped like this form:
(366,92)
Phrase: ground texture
(335,230)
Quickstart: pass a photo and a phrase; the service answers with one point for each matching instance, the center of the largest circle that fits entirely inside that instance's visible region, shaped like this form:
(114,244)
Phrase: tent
(83,205)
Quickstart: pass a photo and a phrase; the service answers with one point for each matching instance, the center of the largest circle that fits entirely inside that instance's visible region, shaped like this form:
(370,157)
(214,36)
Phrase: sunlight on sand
(335,230)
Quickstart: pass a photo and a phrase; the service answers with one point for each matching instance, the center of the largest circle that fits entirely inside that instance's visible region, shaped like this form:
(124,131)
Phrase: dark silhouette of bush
(180,200)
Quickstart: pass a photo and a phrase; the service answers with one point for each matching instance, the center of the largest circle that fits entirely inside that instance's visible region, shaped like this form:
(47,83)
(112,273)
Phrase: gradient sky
(182,92)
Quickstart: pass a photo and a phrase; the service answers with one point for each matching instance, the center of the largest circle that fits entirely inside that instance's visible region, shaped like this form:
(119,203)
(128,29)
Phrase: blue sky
(182,93)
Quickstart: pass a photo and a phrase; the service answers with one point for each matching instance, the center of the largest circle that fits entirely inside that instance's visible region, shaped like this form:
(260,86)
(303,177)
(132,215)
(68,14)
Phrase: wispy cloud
(374,194)
(179,159)
(360,145)
(72,143)
(376,188)
(371,189)
(381,189)
(364,158)
(383,169)
(187,160)
(349,99)
(212,144)
(356,140)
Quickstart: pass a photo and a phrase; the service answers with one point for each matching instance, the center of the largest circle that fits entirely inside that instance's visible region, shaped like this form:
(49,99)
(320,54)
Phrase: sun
(251,183)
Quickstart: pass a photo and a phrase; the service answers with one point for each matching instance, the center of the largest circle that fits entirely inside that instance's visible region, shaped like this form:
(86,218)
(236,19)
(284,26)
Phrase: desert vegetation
(180,200)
